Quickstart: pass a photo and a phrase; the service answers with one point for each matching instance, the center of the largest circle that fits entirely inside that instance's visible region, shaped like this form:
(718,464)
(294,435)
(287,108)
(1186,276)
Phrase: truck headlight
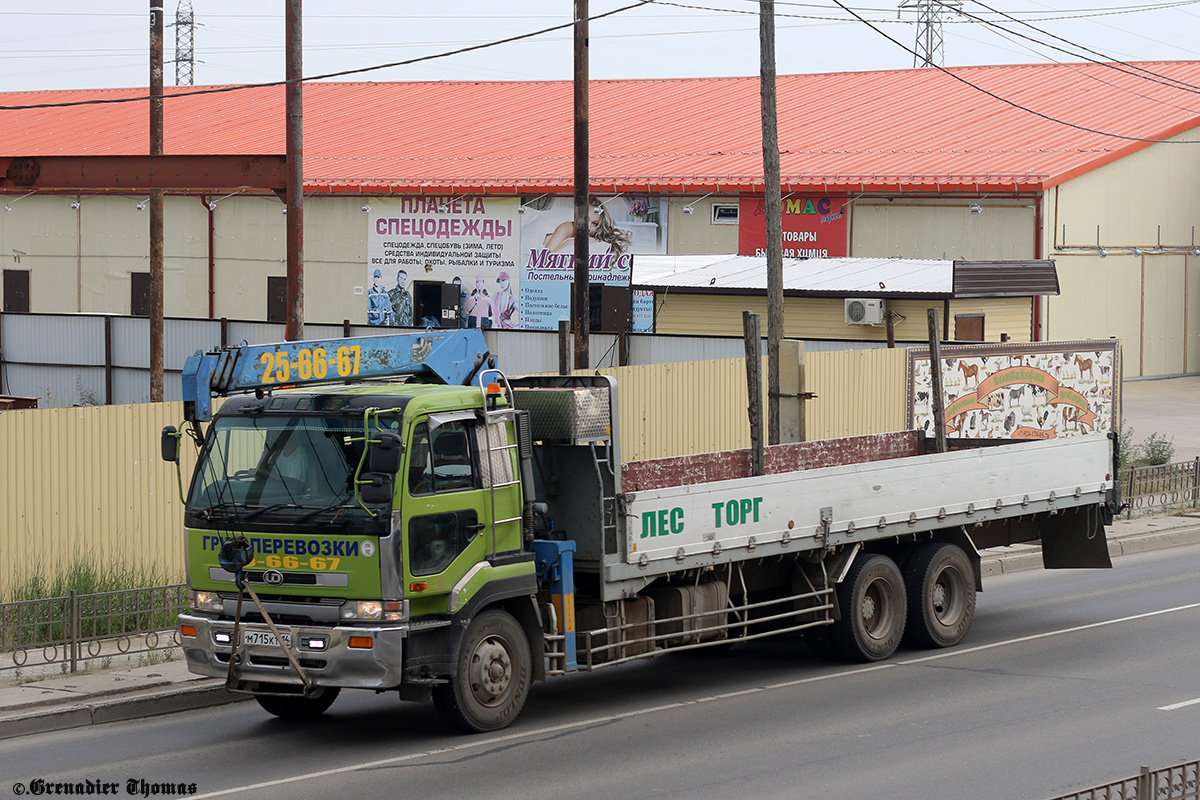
(373,610)
(207,601)
(364,610)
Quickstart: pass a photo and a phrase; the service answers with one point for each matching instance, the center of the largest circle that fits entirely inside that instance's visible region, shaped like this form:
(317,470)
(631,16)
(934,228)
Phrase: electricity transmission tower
(185,23)
(930,50)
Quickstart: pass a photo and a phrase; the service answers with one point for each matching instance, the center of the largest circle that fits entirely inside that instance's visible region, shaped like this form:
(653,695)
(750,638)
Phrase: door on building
(611,308)
(276,299)
(16,290)
(438,301)
(968,328)
(139,294)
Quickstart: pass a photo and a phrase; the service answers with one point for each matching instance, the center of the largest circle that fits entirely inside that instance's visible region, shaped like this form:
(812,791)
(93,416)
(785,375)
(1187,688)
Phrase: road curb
(138,705)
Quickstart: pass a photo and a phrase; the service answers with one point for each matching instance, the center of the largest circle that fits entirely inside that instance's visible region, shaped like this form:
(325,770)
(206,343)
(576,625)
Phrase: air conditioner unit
(860,311)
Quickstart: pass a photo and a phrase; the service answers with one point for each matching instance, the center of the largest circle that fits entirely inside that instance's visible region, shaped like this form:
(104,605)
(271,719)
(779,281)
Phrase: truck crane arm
(451,357)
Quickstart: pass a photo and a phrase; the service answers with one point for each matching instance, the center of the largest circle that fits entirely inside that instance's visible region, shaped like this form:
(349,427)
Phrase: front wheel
(941,595)
(298,706)
(871,599)
(491,678)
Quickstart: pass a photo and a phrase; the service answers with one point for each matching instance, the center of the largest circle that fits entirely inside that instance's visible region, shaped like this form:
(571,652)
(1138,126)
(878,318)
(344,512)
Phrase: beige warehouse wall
(1149,200)
(695,233)
(939,229)
(90,482)
(1146,199)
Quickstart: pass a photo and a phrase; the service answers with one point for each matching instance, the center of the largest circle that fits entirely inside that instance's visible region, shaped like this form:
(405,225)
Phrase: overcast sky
(104,43)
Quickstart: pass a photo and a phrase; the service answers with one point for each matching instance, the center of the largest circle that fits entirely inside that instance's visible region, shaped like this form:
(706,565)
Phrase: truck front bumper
(325,654)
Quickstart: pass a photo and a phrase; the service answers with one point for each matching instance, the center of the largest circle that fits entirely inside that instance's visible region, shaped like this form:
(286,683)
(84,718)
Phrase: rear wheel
(872,602)
(298,706)
(941,595)
(491,679)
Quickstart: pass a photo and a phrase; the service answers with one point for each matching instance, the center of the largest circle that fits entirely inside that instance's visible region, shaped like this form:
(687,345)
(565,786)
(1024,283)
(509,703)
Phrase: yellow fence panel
(858,392)
(88,485)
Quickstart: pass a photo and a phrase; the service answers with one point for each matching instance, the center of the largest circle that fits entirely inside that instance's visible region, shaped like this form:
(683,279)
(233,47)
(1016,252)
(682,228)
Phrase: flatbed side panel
(750,517)
(659,473)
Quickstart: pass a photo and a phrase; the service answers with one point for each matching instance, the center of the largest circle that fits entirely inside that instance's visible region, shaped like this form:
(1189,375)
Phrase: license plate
(265,638)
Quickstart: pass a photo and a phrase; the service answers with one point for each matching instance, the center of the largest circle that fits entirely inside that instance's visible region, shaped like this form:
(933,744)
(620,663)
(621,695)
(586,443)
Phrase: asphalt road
(1067,680)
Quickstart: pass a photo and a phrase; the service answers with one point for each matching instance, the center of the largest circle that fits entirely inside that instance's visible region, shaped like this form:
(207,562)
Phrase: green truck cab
(383,528)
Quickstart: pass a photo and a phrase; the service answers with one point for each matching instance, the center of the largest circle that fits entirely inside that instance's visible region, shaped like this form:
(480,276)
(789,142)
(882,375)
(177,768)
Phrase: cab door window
(434,540)
(441,461)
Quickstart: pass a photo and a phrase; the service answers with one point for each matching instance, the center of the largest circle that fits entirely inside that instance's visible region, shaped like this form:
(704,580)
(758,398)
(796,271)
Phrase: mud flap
(1075,539)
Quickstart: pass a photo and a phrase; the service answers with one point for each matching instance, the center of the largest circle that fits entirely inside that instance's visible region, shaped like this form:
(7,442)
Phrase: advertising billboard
(814,226)
(1041,390)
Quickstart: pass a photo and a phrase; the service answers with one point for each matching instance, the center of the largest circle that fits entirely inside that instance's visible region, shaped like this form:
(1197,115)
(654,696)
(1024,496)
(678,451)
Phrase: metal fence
(56,634)
(1180,782)
(1163,487)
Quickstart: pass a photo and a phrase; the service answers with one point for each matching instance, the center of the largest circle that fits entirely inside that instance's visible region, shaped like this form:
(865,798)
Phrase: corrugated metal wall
(858,392)
(90,482)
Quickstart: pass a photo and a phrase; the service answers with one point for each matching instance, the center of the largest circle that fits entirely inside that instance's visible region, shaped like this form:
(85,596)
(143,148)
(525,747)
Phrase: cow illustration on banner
(1042,390)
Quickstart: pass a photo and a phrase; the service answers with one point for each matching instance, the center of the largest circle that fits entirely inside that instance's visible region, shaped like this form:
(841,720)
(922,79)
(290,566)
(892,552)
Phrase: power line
(1005,100)
(328,75)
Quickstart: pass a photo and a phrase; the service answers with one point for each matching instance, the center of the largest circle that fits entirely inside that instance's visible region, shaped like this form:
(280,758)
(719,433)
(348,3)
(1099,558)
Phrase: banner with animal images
(1040,390)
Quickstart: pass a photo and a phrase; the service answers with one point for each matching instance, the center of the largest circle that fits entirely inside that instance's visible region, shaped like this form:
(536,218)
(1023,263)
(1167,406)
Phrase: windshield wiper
(345,504)
(255,512)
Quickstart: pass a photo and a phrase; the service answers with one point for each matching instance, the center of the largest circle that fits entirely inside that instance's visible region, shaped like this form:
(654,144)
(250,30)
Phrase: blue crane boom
(444,356)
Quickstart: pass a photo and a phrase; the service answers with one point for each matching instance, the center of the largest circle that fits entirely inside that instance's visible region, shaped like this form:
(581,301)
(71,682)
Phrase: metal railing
(57,633)
(1181,782)
(1160,488)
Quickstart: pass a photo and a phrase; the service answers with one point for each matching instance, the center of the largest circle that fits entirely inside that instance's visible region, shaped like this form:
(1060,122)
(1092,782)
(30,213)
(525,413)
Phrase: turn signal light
(188,630)
(493,388)
(361,642)
(418,586)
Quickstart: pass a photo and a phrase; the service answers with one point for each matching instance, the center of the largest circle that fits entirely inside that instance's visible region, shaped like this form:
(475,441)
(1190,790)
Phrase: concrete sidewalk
(110,695)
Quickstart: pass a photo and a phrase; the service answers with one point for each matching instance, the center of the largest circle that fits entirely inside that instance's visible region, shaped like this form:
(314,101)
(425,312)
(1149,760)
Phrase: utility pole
(185,28)
(774,209)
(294,94)
(580,294)
(930,50)
(156,204)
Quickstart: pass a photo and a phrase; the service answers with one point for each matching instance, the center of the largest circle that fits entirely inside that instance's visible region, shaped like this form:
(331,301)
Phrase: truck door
(445,510)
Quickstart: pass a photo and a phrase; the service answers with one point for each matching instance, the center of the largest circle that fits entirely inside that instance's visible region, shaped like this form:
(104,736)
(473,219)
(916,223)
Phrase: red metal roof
(917,130)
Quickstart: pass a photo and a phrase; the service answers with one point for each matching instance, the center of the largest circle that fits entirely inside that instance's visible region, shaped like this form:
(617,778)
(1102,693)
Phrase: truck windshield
(278,469)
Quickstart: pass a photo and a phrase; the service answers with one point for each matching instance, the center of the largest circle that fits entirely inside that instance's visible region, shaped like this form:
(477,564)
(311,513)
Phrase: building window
(968,328)
(139,294)
(723,214)
(16,290)
(276,299)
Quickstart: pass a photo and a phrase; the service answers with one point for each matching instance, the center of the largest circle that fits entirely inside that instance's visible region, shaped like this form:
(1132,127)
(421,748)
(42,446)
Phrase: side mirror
(376,489)
(385,454)
(170,444)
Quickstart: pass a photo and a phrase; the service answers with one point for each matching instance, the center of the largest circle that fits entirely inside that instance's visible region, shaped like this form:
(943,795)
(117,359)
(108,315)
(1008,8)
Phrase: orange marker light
(493,388)
(419,586)
(188,630)
(361,642)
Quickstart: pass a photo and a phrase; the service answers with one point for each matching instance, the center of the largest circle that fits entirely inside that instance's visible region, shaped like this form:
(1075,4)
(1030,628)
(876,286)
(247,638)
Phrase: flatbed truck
(393,513)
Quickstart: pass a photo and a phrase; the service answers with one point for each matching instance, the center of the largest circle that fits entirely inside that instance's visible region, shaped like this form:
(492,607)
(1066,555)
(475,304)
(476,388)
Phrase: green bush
(1154,450)
(1158,449)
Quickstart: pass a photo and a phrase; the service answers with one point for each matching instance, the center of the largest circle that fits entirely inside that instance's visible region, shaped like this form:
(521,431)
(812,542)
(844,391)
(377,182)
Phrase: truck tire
(298,706)
(873,610)
(941,595)
(491,679)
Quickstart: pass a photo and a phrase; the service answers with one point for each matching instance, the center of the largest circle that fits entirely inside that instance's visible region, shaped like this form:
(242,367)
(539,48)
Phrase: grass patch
(37,614)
